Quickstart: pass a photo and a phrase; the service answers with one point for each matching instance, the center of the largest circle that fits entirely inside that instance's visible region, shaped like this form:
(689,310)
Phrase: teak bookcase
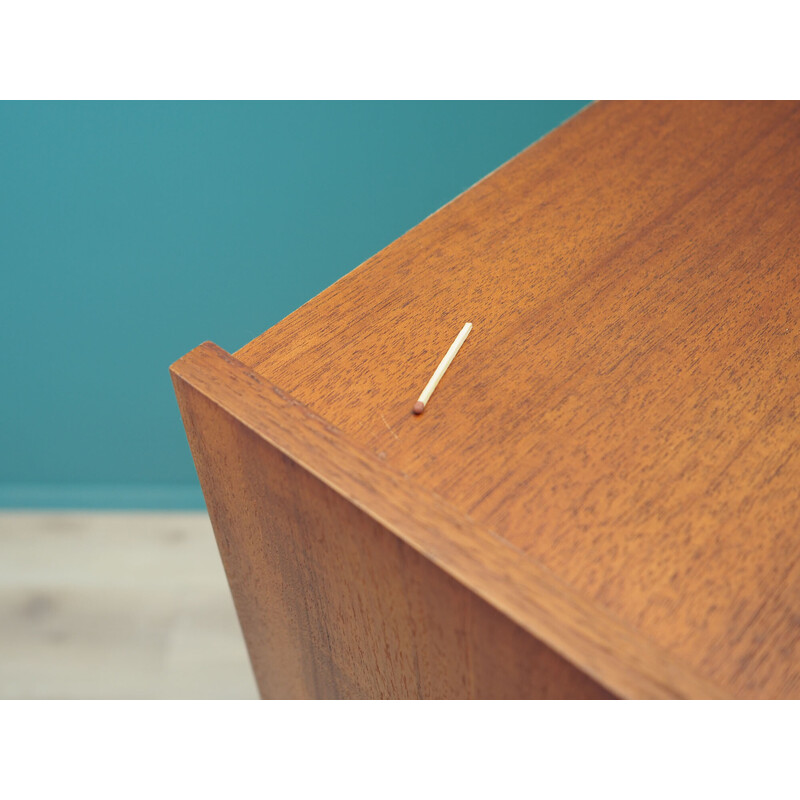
(602,498)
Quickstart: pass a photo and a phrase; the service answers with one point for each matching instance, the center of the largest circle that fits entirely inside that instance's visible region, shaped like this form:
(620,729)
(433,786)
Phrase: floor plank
(116,605)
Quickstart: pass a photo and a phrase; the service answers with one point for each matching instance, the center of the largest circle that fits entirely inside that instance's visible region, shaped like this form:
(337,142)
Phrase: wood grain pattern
(233,420)
(625,412)
(332,604)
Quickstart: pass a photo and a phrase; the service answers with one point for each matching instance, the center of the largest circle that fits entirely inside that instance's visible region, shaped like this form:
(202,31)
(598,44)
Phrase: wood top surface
(624,413)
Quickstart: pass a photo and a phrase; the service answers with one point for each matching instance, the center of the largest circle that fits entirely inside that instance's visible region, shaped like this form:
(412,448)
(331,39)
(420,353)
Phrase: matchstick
(419,406)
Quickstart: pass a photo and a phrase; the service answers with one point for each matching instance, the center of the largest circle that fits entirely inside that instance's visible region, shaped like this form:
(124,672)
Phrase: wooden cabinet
(602,497)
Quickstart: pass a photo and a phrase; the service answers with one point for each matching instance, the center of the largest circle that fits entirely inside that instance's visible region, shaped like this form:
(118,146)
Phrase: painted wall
(131,232)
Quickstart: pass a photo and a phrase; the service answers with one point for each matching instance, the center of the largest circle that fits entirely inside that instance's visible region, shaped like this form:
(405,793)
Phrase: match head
(419,407)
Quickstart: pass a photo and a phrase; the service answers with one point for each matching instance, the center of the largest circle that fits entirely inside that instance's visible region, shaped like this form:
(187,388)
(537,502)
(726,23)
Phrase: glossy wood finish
(332,602)
(622,421)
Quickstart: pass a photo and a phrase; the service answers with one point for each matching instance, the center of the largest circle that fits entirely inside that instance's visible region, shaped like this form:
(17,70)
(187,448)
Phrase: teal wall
(131,232)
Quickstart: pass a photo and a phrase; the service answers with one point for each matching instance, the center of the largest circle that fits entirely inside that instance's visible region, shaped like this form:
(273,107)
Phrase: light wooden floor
(116,605)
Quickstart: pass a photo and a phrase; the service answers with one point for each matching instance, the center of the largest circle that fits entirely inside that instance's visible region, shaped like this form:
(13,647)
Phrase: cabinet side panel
(333,605)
